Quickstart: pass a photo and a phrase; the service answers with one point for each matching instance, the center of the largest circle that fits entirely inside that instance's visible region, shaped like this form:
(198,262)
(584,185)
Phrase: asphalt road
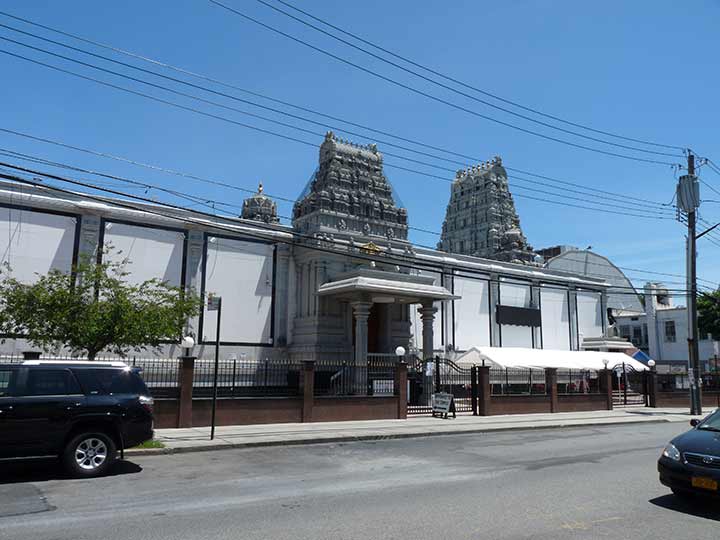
(545,484)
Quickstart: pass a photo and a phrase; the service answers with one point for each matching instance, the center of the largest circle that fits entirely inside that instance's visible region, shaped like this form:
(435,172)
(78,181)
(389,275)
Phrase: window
(625,331)
(110,381)
(5,378)
(670,331)
(51,382)
(636,336)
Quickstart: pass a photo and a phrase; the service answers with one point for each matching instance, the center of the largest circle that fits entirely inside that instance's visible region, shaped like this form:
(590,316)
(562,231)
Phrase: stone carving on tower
(481,219)
(260,207)
(349,194)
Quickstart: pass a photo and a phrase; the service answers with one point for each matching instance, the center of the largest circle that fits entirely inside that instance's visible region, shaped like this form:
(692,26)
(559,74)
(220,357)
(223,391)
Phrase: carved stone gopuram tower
(481,219)
(350,195)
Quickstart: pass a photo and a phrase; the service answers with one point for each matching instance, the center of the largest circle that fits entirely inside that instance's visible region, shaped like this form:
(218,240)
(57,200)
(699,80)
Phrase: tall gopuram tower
(350,195)
(481,219)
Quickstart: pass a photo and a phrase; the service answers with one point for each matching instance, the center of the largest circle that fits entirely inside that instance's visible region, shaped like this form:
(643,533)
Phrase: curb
(360,438)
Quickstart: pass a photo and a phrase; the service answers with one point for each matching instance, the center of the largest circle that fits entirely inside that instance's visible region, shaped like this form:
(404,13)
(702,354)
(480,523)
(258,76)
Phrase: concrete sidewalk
(198,439)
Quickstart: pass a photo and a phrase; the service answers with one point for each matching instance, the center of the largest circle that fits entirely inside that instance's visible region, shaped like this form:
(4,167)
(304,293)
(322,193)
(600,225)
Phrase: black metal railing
(575,381)
(343,378)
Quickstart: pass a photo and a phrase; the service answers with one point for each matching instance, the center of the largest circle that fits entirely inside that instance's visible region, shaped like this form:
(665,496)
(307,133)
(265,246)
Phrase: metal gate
(630,387)
(438,375)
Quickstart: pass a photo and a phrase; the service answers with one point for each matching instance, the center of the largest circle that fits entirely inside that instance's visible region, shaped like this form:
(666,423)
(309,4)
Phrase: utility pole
(688,192)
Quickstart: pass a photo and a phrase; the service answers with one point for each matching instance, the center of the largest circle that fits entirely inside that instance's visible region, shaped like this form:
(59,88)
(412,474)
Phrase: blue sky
(642,69)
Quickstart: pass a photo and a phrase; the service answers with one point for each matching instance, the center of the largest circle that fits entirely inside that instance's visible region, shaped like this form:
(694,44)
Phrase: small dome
(260,207)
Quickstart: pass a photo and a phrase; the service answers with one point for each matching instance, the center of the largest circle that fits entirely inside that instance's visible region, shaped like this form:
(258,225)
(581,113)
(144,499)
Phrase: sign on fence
(443,404)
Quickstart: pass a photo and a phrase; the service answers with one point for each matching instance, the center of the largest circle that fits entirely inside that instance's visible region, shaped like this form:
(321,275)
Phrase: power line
(262,96)
(455,90)
(407,262)
(287,137)
(435,98)
(470,87)
(142,184)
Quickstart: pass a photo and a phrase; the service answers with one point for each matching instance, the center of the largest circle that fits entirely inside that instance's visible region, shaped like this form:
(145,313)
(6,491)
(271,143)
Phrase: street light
(400,351)
(605,362)
(187,343)
(651,364)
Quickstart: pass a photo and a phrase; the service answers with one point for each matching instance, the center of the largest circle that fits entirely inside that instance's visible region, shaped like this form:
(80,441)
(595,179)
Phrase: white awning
(519,357)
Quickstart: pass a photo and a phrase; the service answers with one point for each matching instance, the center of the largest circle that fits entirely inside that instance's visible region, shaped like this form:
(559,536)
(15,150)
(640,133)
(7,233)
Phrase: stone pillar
(574,338)
(193,278)
(282,297)
(361,311)
(535,303)
(427,315)
(483,390)
(494,290)
(606,376)
(185,382)
(308,382)
(89,236)
(551,388)
(401,389)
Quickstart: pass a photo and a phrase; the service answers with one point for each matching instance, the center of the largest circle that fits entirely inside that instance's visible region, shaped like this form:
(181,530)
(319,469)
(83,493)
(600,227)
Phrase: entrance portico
(363,289)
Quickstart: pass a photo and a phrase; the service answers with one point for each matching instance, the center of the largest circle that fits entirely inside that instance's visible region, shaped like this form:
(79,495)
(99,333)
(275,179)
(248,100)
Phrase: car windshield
(712,422)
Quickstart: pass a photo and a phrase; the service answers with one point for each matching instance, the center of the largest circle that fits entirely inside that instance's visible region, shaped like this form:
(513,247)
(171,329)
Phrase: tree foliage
(709,314)
(94,309)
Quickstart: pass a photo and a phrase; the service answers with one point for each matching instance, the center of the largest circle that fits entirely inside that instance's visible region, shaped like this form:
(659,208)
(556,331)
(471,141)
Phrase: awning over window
(519,357)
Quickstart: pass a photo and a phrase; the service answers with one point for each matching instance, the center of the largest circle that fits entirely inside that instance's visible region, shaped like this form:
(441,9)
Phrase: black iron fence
(247,378)
(572,381)
(517,381)
(347,378)
(680,382)
(437,375)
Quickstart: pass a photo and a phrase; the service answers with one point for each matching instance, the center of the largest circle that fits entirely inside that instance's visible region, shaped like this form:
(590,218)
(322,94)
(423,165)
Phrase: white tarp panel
(242,274)
(517,357)
(35,242)
(554,308)
(472,312)
(516,295)
(151,253)
(589,314)
(416,321)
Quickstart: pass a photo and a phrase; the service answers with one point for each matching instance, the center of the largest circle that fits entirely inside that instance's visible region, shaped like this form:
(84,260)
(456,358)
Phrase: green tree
(709,314)
(94,309)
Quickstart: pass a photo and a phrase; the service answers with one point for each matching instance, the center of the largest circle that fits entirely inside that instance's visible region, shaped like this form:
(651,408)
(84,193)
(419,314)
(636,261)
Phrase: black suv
(82,412)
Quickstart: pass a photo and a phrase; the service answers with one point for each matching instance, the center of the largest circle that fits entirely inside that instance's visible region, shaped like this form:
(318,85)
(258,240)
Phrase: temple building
(481,219)
(341,282)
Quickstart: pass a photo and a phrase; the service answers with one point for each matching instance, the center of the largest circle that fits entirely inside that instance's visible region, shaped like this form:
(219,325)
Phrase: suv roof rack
(74,363)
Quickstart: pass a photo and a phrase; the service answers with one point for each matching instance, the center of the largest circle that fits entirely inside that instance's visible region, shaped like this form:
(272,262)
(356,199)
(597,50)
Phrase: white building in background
(662,330)
(308,291)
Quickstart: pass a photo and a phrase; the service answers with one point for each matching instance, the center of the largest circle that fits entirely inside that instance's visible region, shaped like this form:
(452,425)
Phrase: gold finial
(260,187)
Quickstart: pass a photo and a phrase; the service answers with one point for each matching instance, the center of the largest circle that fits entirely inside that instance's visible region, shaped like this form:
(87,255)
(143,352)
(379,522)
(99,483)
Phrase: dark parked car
(81,412)
(690,464)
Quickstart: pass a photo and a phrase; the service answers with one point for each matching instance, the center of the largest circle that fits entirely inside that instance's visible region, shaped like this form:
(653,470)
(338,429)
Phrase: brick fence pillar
(187,369)
(551,388)
(606,384)
(474,389)
(308,382)
(401,389)
(484,390)
(652,387)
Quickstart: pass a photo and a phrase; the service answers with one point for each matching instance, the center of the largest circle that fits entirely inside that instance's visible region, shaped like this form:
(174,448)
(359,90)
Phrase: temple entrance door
(374,329)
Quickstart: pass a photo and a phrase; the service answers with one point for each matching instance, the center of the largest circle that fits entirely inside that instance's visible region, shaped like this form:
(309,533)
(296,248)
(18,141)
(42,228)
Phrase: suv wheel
(89,454)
